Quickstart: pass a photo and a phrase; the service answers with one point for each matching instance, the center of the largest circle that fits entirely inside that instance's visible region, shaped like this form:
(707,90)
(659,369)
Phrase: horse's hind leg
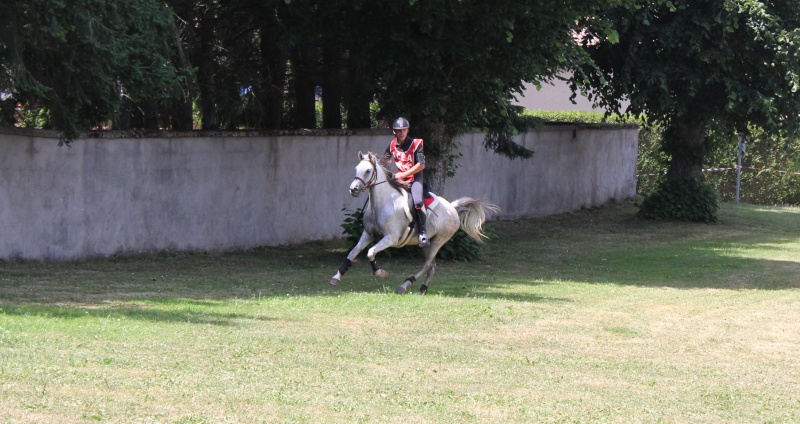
(402,288)
(424,288)
(428,269)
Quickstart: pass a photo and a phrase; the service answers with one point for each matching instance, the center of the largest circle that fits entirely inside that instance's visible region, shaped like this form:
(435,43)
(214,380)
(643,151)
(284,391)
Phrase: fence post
(739,150)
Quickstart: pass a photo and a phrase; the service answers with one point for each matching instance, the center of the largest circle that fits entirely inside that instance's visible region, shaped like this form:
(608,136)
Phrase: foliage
(766,154)
(687,200)
(33,118)
(579,117)
(468,60)
(75,58)
(463,248)
(652,162)
(499,134)
(448,65)
(718,63)
(352,226)
(460,247)
(760,183)
(695,69)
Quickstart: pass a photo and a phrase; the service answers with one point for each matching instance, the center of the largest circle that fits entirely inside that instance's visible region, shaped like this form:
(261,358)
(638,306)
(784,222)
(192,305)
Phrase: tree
(78,59)
(696,69)
(451,65)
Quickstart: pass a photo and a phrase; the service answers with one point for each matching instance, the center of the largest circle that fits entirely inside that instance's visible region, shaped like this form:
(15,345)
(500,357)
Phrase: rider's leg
(419,210)
(422,216)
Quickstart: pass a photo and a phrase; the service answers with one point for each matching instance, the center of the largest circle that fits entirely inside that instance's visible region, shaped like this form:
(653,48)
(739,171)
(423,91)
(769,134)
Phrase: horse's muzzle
(355,187)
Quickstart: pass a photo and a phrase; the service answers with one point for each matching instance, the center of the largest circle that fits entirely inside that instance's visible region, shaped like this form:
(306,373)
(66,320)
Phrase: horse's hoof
(400,290)
(381,274)
(334,282)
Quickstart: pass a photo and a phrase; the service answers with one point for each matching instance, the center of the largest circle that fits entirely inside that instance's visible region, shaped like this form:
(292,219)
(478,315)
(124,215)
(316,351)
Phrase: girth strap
(407,207)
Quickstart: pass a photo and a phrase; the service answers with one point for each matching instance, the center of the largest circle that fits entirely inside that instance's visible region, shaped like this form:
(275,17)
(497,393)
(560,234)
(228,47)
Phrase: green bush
(352,226)
(686,200)
(463,248)
(578,117)
(460,248)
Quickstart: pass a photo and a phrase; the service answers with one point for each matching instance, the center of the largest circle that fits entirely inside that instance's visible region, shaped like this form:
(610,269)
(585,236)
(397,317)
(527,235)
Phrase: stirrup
(423,240)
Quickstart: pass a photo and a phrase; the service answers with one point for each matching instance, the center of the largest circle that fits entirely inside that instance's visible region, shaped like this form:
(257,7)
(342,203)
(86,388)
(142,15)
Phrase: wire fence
(756,185)
(728,169)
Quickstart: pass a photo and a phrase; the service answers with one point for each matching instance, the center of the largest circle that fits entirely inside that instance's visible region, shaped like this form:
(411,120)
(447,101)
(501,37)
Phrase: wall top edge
(113,134)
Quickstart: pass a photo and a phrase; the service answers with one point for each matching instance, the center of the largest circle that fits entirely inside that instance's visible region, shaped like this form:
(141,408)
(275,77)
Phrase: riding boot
(423,235)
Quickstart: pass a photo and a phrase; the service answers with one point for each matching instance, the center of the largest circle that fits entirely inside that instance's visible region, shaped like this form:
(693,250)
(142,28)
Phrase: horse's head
(366,174)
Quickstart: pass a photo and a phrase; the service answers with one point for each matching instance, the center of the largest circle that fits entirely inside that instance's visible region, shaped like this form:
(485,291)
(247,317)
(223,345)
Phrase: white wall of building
(554,96)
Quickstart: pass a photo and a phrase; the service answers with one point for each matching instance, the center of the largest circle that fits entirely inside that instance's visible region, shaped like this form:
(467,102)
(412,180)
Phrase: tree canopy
(452,65)
(699,68)
(79,59)
(448,65)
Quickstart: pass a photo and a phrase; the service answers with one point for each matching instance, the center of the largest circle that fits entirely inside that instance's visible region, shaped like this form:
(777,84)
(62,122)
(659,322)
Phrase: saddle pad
(431,202)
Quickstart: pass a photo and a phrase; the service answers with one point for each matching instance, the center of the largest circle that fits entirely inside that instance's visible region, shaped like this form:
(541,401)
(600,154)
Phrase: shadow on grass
(183,314)
(604,246)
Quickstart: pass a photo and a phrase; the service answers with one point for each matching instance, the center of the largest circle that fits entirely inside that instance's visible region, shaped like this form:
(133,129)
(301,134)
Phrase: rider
(410,160)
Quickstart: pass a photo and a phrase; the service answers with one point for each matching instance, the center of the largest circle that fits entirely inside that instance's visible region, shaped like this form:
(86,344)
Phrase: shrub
(684,200)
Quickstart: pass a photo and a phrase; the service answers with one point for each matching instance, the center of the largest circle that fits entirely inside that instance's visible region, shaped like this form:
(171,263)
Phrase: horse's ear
(360,156)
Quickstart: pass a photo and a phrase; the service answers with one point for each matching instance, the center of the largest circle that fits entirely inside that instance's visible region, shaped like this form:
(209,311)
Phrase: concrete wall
(112,193)
(573,167)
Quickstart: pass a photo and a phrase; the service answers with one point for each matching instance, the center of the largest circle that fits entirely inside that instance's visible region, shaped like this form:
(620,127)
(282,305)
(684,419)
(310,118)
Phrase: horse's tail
(473,213)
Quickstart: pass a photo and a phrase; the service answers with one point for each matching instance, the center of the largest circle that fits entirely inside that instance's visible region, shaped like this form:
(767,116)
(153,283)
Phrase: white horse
(388,218)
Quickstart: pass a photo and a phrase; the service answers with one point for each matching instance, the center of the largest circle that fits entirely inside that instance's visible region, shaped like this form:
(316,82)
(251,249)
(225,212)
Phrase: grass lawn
(588,317)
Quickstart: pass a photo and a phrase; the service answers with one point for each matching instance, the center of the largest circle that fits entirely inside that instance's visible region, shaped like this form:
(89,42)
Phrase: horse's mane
(397,185)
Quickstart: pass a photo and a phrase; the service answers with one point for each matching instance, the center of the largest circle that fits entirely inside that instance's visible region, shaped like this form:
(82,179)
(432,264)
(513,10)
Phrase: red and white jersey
(405,159)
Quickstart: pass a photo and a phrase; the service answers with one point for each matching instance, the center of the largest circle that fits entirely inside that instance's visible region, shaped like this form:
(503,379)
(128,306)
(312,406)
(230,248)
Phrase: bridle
(373,179)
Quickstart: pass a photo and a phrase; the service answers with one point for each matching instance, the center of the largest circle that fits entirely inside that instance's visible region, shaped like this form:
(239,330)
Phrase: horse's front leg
(386,242)
(363,242)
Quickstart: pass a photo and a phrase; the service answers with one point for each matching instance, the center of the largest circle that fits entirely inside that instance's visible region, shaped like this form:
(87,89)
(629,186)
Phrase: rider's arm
(411,171)
(387,156)
(419,159)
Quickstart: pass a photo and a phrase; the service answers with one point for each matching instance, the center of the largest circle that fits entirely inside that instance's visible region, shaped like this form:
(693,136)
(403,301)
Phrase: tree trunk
(685,143)
(123,121)
(273,62)
(331,88)
(438,144)
(152,116)
(684,195)
(436,174)
(304,111)
(181,115)
(206,68)
(358,95)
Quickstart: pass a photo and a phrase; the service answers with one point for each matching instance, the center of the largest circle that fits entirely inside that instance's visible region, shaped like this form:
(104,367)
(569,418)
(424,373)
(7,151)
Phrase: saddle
(430,203)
